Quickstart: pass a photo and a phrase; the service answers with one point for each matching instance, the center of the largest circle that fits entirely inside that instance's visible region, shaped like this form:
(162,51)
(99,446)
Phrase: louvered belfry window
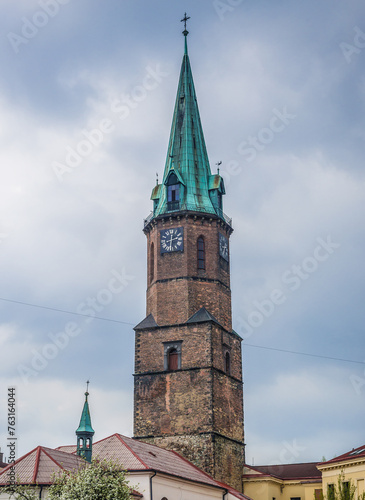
(201,253)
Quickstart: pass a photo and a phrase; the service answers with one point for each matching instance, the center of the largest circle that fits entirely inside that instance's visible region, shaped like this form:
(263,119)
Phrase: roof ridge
(36,465)
(121,438)
(50,456)
(18,460)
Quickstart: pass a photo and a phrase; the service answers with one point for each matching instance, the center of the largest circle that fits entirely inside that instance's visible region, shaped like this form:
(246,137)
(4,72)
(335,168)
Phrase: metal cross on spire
(185,18)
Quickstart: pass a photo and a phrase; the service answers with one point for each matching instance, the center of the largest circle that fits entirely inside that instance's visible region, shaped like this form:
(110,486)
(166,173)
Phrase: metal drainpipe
(40,492)
(151,484)
(225,494)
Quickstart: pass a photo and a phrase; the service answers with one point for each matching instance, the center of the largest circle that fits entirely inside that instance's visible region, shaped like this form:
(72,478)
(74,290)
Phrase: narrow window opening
(81,443)
(201,253)
(173,360)
(152,262)
(227,362)
(88,443)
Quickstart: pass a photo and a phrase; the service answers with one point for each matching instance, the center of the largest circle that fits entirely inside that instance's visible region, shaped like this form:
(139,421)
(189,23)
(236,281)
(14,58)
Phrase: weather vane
(185,18)
(87,385)
(219,163)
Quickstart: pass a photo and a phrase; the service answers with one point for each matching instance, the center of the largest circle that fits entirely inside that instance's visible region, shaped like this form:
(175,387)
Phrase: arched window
(173,358)
(88,443)
(201,253)
(172,355)
(173,193)
(81,443)
(227,363)
(152,262)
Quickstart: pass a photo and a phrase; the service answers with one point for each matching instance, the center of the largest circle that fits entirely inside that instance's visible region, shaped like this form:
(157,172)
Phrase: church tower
(188,393)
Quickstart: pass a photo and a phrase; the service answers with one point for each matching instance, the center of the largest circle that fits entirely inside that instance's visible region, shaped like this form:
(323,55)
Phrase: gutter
(151,494)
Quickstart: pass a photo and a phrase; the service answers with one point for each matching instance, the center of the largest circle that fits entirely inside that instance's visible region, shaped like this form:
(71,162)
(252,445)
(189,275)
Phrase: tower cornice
(176,217)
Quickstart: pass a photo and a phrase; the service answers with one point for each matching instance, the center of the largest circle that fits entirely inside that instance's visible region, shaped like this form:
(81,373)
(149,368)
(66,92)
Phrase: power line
(305,354)
(132,324)
(65,311)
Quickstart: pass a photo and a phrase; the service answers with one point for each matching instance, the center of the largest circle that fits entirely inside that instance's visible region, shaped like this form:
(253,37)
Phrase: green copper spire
(85,431)
(188,184)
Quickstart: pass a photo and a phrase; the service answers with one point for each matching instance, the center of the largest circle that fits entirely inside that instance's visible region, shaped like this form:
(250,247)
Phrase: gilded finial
(87,388)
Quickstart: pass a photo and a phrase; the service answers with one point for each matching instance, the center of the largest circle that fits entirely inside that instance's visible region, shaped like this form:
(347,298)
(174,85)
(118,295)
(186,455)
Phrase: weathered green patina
(85,421)
(188,184)
(85,432)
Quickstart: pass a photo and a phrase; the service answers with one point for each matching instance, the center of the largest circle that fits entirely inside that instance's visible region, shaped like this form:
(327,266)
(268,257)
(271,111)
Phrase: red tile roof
(39,465)
(69,448)
(350,455)
(136,455)
(303,471)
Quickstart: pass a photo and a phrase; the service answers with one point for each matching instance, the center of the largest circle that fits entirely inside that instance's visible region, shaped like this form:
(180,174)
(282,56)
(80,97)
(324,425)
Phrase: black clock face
(172,240)
(223,247)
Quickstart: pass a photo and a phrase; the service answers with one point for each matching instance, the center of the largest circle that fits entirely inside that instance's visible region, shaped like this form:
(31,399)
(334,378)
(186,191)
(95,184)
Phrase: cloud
(51,410)
(309,399)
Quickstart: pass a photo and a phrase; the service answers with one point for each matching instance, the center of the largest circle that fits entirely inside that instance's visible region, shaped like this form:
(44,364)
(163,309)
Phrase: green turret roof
(85,421)
(187,158)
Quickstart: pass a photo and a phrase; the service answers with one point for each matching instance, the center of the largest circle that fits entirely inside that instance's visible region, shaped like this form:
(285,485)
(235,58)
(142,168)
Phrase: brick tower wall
(197,410)
(178,289)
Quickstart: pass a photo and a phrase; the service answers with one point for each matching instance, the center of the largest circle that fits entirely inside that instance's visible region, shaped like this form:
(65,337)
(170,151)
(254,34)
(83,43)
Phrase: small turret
(85,432)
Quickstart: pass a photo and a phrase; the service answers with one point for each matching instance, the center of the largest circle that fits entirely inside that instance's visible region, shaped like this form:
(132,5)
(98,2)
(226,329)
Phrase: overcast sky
(87,90)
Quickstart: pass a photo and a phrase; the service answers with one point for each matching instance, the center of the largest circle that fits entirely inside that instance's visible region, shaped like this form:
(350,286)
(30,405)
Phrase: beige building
(306,481)
(351,464)
(283,482)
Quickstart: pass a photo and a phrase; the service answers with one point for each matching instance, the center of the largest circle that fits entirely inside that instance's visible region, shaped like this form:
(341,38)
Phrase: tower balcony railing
(182,207)
(173,206)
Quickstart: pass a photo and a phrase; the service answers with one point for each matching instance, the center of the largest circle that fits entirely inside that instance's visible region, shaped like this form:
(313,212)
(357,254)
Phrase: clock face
(223,247)
(172,240)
